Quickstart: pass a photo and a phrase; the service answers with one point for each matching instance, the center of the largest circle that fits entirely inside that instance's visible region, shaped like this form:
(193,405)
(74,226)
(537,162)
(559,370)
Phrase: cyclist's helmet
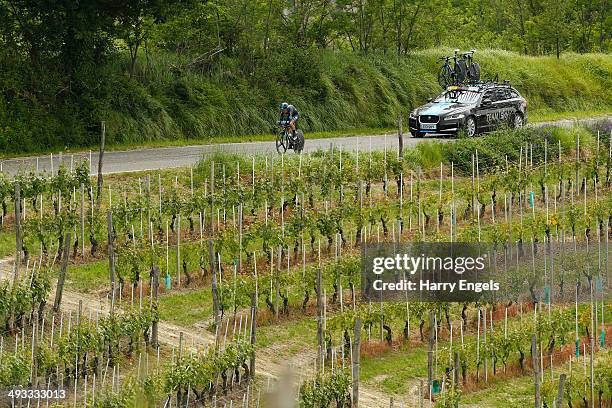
(284,106)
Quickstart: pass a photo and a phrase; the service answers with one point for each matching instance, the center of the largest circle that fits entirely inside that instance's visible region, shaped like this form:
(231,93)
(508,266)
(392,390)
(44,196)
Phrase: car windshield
(458,96)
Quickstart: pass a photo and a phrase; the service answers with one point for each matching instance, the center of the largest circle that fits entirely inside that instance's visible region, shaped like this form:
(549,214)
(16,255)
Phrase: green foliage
(326,391)
(343,91)
(162,69)
(14,369)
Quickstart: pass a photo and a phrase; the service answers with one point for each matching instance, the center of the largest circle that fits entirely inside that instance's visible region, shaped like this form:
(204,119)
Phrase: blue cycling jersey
(292,114)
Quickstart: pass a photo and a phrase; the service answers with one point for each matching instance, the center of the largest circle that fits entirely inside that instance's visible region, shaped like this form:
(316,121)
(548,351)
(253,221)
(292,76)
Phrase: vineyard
(238,282)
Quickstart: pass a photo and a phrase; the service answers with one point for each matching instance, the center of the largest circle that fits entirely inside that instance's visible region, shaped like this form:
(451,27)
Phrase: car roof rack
(476,86)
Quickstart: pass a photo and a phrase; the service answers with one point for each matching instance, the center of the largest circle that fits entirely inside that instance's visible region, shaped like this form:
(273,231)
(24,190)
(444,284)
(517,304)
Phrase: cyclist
(290,116)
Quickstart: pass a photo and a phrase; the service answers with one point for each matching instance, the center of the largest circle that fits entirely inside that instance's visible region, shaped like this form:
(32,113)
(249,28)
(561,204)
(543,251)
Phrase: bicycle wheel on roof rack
(461,71)
(445,76)
(474,72)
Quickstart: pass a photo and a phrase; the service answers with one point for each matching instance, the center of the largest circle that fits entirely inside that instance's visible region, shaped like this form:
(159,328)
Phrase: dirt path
(272,362)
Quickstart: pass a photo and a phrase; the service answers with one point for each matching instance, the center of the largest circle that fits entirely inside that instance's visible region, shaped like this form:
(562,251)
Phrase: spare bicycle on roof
(462,70)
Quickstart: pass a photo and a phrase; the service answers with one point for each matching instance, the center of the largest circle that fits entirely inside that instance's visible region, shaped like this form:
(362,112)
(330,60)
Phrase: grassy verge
(535,117)
(338,91)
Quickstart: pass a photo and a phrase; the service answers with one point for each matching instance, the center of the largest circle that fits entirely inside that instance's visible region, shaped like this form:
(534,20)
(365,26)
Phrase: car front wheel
(517,122)
(470,126)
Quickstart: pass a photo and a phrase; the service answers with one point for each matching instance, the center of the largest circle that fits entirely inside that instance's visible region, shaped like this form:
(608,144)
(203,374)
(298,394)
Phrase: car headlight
(413,114)
(455,116)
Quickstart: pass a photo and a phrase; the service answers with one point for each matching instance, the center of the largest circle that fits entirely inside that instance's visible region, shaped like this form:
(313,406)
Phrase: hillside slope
(173,98)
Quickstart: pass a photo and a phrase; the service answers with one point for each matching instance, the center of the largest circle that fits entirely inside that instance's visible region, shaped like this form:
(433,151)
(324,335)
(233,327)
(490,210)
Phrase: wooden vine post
(212,197)
(155,293)
(83,220)
(35,336)
(277,283)
(430,352)
(148,196)
(562,378)
(100,161)
(320,345)
(215,293)
(178,252)
(252,334)
(18,242)
(62,275)
(111,259)
(536,370)
(456,371)
(356,361)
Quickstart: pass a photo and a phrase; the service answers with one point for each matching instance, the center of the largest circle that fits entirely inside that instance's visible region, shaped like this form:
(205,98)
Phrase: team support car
(474,109)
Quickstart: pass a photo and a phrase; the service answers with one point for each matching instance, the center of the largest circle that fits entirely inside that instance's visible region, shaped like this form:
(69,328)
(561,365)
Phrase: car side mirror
(429,99)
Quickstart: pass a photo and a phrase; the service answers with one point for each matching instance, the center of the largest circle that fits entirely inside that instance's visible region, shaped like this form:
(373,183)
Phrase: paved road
(184,156)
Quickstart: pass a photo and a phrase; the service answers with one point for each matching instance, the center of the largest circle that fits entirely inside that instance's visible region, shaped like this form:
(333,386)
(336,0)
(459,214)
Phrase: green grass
(186,307)
(394,371)
(518,392)
(7,243)
(296,333)
(552,116)
(513,393)
(88,277)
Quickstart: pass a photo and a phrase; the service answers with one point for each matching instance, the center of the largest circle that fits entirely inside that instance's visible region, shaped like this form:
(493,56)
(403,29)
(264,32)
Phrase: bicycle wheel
(461,71)
(474,72)
(445,77)
(298,145)
(281,142)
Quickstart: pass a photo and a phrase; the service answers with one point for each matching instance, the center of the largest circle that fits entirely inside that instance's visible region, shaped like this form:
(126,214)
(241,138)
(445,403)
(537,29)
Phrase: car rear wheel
(470,126)
(517,122)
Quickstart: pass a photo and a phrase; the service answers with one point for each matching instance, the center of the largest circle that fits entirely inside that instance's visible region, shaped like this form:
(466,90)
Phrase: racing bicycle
(470,68)
(464,69)
(286,139)
(448,75)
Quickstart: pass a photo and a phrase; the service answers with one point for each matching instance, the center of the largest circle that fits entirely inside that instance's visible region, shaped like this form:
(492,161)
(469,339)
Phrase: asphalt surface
(145,159)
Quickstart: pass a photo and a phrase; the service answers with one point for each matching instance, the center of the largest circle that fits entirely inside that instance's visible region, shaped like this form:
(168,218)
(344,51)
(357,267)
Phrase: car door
(499,108)
(509,107)
(484,111)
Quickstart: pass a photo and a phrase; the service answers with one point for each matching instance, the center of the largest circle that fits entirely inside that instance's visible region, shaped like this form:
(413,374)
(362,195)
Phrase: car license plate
(428,126)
